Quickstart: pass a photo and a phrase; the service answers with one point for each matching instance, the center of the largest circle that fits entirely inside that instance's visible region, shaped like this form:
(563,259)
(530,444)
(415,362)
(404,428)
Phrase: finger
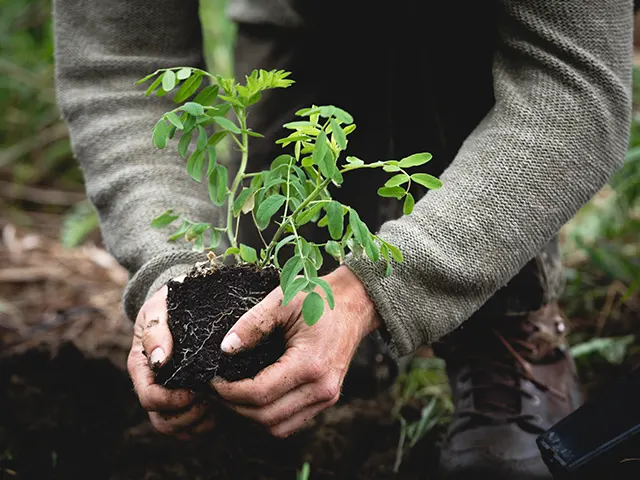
(290,371)
(291,403)
(205,425)
(296,422)
(156,337)
(153,397)
(172,424)
(256,324)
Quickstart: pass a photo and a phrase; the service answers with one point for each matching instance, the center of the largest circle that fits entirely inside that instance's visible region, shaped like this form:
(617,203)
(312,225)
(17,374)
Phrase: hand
(307,378)
(172,412)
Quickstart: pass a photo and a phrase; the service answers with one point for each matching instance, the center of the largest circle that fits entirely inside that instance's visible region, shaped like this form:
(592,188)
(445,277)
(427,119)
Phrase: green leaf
(174,119)
(316,256)
(269,207)
(343,116)
(415,160)
(207,96)
(335,222)
(291,268)
(216,138)
(372,250)
(426,180)
(172,131)
(198,243)
(354,161)
(320,149)
(396,180)
(305,216)
(349,128)
(251,133)
(312,308)
(165,219)
(248,254)
(218,110)
(300,124)
(384,251)
(334,249)
(391,168)
(215,239)
(293,289)
(227,125)
(285,241)
(161,134)
(183,73)
(184,226)
(188,88)
(396,254)
(409,202)
(148,77)
(359,228)
(168,80)
(327,111)
(240,200)
(256,182)
(195,165)
(305,112)
(338,134)
(218,185)
(232,251)
(212,160)
(202,138)
(395,192)
(327,291)
(154,86)
(193,108)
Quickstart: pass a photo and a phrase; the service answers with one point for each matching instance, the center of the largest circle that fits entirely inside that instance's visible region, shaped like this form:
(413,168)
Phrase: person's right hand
(172,412)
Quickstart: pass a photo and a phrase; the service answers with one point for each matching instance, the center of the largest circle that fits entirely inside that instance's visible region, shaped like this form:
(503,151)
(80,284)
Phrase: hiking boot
(511,378)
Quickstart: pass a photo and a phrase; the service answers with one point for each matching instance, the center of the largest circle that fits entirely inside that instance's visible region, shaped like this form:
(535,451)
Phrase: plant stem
(231,234)
(309,199)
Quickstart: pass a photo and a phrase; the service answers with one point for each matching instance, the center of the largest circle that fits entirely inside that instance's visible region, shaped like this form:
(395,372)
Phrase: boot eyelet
(535,401)
(560,326)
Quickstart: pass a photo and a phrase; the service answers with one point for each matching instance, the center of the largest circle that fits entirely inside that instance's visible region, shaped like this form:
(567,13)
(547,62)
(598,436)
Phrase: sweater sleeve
(557,132)
(102,49)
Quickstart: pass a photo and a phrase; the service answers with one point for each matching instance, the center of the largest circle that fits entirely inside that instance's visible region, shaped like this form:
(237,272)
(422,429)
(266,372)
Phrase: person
(525,106)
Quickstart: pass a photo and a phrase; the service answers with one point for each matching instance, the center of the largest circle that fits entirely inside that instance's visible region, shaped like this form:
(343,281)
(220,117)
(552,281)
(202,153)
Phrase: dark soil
(202,309)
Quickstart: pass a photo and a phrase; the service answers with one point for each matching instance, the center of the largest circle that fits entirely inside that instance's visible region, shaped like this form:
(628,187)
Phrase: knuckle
(146,403)
(315,370)
(326,391)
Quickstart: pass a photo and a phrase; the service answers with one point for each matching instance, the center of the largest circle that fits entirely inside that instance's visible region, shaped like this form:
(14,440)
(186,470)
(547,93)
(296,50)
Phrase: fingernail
(157,357)
(231,343)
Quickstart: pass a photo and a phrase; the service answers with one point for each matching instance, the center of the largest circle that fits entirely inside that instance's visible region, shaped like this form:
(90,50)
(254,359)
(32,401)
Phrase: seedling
(294,191)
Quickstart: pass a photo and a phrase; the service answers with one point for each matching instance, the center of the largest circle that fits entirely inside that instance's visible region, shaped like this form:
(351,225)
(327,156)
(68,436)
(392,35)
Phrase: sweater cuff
(153,275)
(381,289)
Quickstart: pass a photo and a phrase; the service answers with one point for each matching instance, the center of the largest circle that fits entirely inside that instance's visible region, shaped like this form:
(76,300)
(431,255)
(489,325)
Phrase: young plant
(294,191)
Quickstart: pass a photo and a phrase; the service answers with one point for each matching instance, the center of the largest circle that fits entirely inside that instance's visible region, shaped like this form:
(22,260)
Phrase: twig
(44,196)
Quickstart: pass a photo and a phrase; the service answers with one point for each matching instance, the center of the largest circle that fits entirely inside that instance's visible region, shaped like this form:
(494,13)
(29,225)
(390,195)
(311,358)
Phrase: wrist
(351,293)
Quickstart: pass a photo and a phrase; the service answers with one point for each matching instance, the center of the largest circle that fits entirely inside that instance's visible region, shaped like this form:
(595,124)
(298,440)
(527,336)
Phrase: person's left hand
(307,379)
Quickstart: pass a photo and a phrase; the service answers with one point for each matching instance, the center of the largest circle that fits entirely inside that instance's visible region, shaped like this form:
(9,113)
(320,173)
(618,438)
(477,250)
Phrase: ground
(67,408)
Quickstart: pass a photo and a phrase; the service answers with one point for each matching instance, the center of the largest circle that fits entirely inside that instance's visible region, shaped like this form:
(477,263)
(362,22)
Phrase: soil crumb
(202,309)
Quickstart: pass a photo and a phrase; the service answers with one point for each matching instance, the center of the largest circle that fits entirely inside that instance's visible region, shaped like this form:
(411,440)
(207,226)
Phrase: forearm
(556,134)
(102,49)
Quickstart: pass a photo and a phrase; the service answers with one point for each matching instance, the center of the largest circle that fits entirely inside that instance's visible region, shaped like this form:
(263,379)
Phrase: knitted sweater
(557,132)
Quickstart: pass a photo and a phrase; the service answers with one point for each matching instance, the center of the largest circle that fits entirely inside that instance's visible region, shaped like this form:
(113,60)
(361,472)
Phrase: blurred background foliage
(38,174)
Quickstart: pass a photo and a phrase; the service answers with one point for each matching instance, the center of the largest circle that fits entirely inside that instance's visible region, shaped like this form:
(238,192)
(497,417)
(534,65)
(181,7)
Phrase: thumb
(156,337)
(256,324)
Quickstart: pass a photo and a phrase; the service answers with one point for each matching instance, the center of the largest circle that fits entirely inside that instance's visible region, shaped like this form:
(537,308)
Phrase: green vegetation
(297,184)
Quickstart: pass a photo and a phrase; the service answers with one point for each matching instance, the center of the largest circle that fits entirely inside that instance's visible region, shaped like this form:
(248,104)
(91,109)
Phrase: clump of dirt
(202,309)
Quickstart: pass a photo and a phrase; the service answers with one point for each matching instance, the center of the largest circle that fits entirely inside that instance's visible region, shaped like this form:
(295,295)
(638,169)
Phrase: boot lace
(496,379)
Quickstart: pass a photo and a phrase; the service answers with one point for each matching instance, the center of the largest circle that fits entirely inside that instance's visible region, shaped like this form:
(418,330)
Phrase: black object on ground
(600,439)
